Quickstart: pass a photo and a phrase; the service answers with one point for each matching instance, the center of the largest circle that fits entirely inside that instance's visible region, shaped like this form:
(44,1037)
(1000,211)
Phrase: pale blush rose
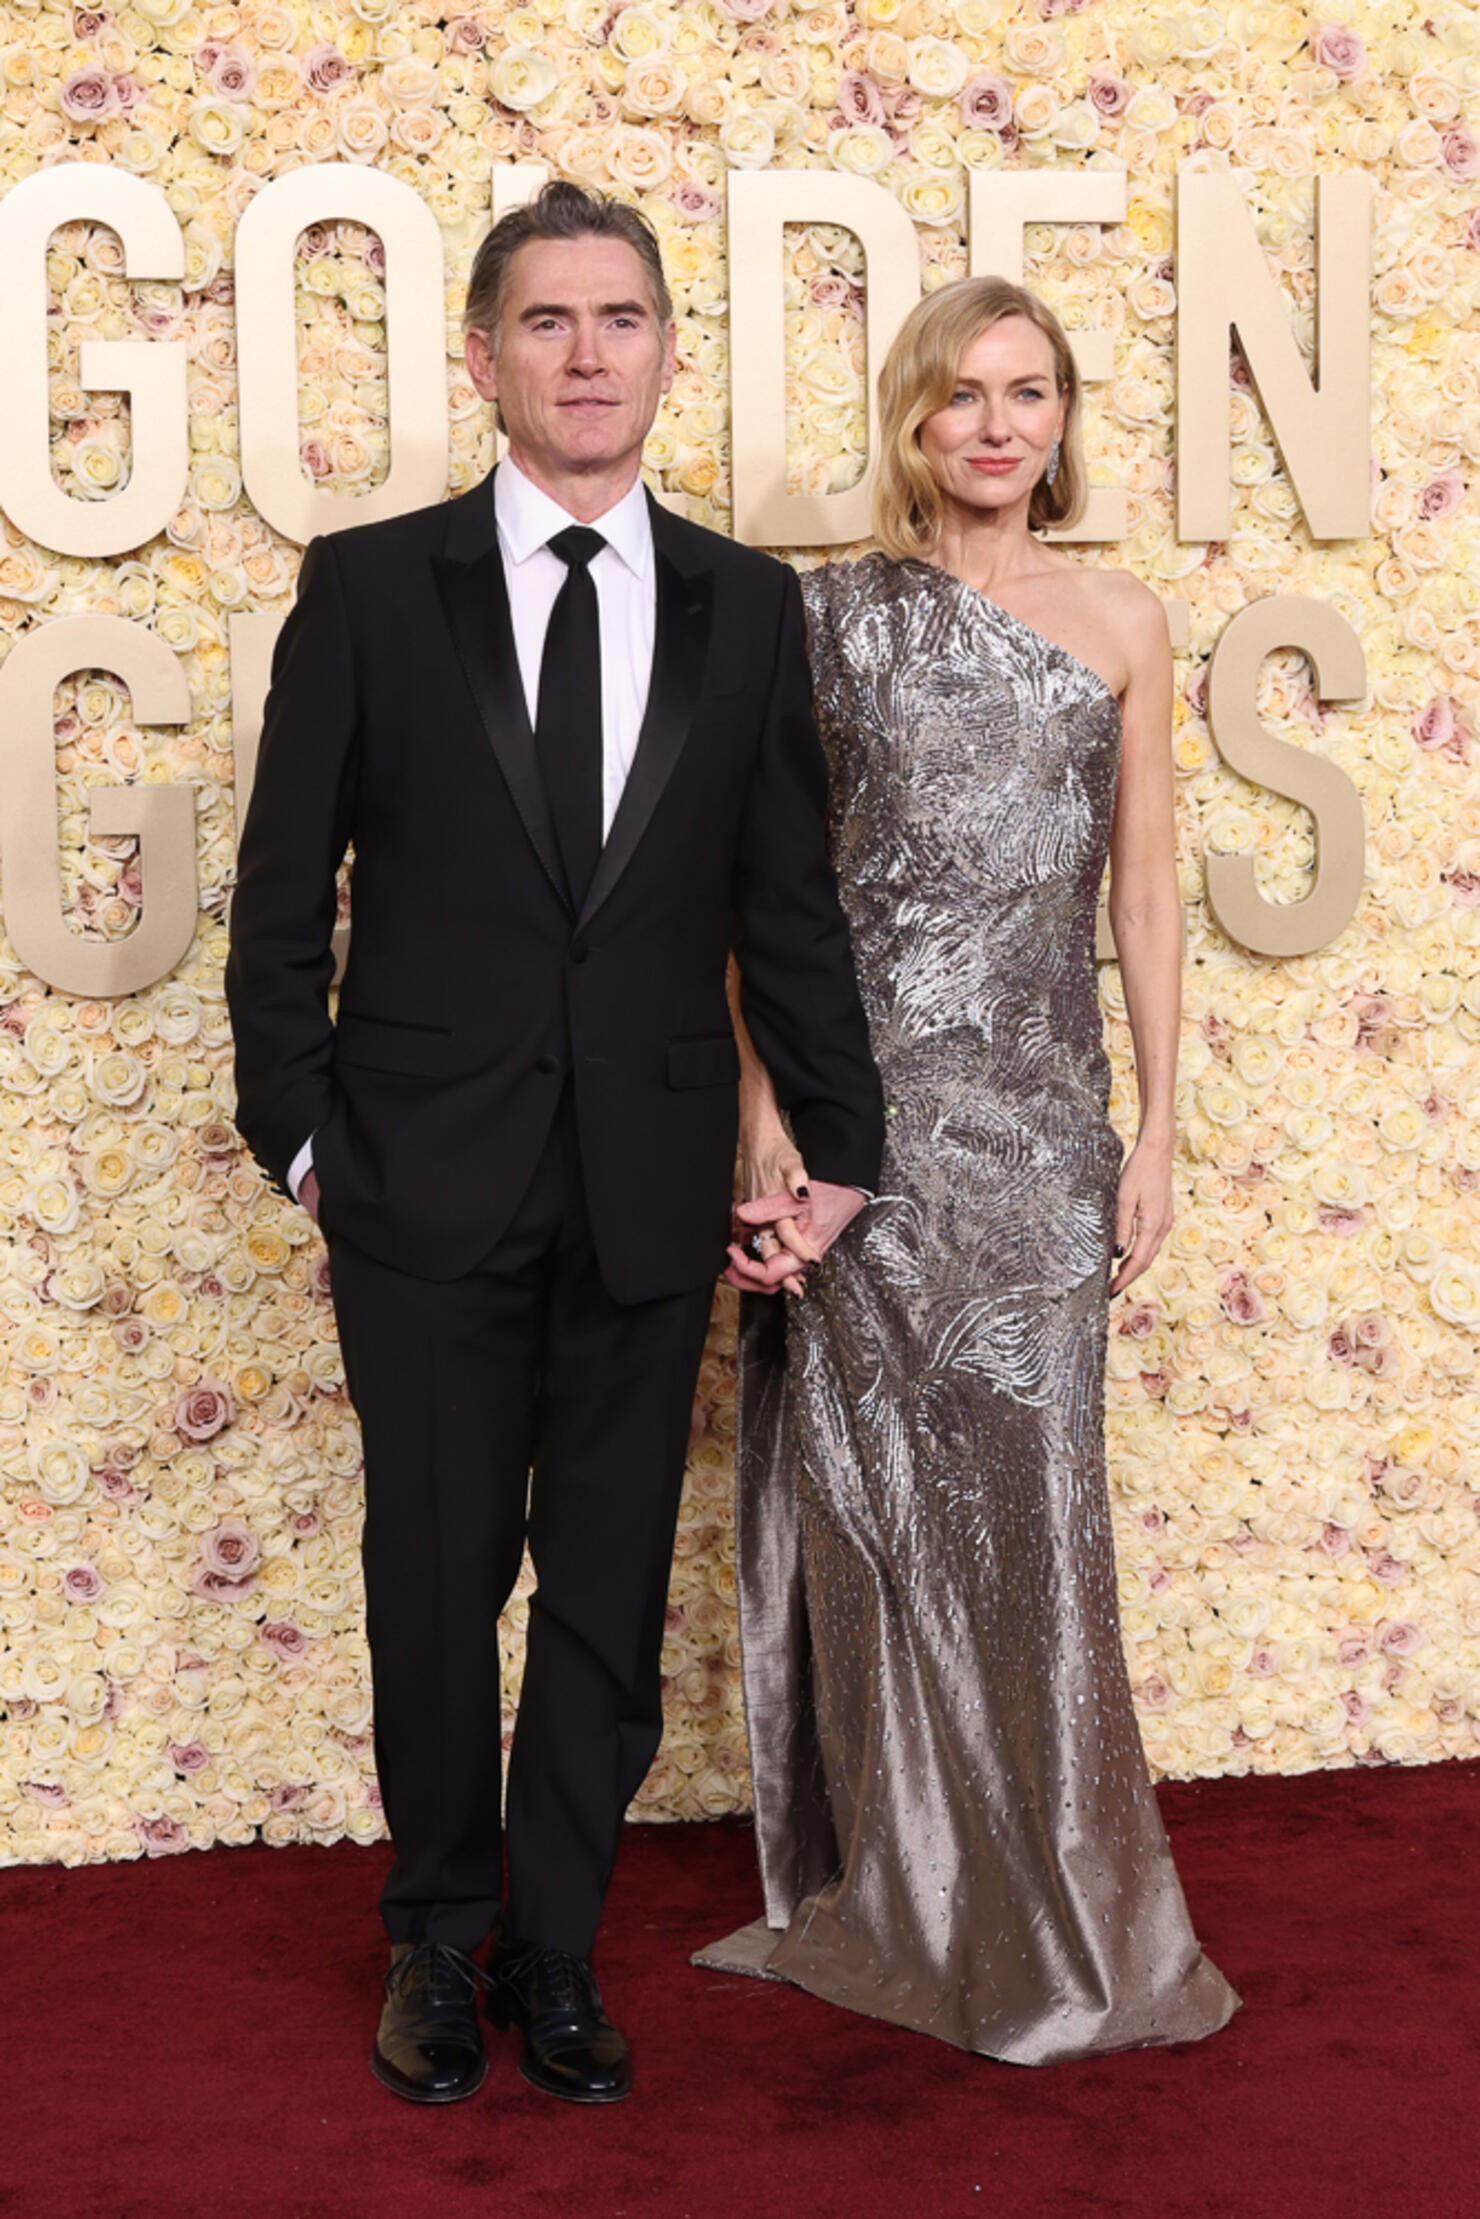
(88,96)
(284,1639)
(1443,495)
(188,1757)
(1108,96)
(747,11)
(323,68)
(162,1837)
(1335,48)
(1435,726)
(1472,232)
(203,1411)
(315,458)
(1401,1638)
(696,203)
(83,1584)
(986,103)
(231,1550)
(231,72)
(1460,151)
(859,98)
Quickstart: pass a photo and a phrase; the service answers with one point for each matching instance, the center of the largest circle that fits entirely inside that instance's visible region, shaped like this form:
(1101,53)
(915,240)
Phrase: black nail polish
(804,1193)
(1118,1249)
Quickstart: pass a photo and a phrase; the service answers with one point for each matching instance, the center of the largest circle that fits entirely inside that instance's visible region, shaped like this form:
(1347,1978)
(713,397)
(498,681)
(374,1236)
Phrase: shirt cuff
(300,1167)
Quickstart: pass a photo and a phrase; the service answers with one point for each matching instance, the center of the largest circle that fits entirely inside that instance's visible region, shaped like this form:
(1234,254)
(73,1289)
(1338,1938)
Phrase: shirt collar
(528,518)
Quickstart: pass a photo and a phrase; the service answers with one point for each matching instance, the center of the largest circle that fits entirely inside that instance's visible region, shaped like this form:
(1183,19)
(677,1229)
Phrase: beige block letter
(160,818)
(1225,285)
(762,203)
(150,371)
(1319,785)
(267,347)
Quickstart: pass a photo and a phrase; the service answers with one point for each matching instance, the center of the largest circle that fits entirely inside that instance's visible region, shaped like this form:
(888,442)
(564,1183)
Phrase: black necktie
(567,732)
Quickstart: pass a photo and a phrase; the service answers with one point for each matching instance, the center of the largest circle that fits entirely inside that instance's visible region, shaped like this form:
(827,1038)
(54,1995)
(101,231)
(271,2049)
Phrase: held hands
(788,1222)
(1143,1214)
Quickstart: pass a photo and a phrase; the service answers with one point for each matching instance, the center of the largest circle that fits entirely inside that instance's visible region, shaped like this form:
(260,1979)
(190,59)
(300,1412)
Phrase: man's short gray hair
(559,211)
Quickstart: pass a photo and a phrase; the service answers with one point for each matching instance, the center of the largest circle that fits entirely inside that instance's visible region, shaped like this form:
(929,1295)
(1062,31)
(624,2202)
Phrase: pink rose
(287,1797)
(1261,1664)
(315,458)
(1353,1646)
(747,11)
(1241,1300)
(189,1757)
(1465,888)
(116,1485)
(86,24)
(323,68)
(1442,495)
(49,1793)
(1472,231)
(204,1410)
(130,92)
(1140,1321)
(130,1334)
(1153,1694)
(1435,726)
(1358,1708)
(83,1584)
(1385,1567)
(859,98)
(1335,1539)
(696,203)
(284,1639)
(1108,96)
(1401,1638)
(1155,1384)
(88,95)
(1339,1347)
(231,72)
(162,1837)
(467,34)
(231,1551)
(986,103)
(1460,151)
(1345,1222)
(1339,50)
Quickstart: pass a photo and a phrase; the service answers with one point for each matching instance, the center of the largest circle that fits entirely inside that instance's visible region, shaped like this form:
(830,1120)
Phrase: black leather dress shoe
(571,2048)
(430,2045)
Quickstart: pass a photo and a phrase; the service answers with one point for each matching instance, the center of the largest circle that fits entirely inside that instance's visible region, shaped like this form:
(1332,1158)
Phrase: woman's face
(989,446)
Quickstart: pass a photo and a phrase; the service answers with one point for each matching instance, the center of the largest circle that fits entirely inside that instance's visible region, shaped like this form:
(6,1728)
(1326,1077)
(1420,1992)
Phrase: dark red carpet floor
(186,2039)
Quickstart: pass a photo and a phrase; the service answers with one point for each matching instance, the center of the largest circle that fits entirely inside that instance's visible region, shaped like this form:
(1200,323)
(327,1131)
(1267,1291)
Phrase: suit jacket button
(549,1065)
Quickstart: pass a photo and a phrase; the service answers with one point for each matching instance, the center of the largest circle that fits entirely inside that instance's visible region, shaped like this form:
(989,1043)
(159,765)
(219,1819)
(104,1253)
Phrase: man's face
(581,361)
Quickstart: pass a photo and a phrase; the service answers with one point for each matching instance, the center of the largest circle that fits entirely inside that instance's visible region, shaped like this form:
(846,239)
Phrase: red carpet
(186,2039)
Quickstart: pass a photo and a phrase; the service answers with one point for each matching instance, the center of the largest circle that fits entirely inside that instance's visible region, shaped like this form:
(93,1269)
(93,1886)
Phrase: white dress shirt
(627,614)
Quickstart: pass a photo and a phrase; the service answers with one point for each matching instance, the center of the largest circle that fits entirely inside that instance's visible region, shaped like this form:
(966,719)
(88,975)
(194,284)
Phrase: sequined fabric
(956,1827)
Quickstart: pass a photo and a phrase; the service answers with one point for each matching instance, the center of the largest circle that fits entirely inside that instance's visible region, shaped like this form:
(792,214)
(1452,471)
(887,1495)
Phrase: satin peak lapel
(476,600)
(680,646)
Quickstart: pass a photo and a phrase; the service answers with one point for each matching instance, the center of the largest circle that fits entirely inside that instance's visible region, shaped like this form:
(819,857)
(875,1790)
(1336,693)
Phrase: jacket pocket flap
(382,1044)
(704,1062)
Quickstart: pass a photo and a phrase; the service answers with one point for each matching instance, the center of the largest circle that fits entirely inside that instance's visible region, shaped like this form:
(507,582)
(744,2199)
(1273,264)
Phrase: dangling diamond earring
(1053,462)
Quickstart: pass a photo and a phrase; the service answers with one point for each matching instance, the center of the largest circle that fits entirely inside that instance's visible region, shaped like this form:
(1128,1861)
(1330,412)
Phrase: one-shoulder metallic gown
(956,1827)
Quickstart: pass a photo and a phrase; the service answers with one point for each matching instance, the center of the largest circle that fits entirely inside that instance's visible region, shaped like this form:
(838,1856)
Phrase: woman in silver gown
(956,1827)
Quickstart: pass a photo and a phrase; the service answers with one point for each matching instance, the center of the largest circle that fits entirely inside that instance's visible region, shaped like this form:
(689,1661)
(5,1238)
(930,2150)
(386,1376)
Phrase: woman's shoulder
(1119,595)
(835,590)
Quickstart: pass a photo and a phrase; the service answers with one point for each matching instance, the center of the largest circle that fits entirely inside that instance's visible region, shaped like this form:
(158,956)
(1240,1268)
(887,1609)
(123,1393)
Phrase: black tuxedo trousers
(518,1398)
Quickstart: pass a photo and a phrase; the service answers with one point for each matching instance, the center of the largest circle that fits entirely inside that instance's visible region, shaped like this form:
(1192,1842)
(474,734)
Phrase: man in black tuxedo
(569,739)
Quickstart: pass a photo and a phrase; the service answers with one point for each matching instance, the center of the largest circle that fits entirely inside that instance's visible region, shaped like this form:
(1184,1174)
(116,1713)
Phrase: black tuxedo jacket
(396,725)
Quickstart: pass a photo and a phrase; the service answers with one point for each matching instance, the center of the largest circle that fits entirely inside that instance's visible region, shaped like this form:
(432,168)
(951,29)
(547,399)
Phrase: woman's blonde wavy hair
(918,379)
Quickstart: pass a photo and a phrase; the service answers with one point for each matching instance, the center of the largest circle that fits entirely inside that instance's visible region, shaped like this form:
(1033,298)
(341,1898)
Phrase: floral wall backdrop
(1294,1398)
